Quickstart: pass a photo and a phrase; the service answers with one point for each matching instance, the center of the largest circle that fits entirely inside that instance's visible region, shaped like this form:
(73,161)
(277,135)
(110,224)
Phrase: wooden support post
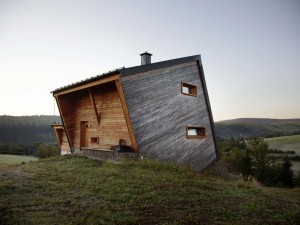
(126,114)
(94,106)
(64,124)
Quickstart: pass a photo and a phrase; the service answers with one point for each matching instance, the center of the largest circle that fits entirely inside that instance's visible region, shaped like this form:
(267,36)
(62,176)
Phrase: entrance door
(84,134)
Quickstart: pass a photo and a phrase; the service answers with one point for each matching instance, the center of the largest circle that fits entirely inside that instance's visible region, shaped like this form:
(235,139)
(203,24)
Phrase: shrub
(45,150)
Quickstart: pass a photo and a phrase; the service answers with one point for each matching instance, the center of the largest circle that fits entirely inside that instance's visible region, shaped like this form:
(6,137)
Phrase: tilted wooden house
(160,110)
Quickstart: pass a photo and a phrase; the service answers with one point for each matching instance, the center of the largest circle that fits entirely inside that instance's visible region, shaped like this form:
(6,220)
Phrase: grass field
(14,159)
(296,167)
(285,143)
(77,190)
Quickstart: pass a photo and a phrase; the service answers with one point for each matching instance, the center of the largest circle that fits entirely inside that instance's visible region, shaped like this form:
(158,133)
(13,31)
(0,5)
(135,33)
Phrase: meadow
(77,190)
(15,159)
(285,143)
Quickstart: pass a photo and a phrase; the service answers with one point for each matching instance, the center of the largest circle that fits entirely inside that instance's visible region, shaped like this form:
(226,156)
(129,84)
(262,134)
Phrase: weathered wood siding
(160,114)
(112,125)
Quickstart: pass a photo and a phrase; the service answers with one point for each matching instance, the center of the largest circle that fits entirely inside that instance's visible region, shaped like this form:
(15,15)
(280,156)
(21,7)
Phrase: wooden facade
(149,107)
(94,117)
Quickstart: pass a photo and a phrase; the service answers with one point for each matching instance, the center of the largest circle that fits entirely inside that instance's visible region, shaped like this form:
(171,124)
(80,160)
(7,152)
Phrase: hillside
(27,129)
(248,127)
(77,190)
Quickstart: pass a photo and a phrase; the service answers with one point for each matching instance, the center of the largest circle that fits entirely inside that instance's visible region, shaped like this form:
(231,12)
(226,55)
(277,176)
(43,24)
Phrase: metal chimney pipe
(145,58)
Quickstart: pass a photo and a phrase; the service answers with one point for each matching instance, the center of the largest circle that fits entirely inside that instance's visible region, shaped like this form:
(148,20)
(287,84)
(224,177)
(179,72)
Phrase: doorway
(84,125)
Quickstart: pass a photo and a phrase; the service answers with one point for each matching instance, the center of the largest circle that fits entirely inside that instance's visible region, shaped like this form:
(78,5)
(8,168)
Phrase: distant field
(285,143)
(296,167)
(15,159)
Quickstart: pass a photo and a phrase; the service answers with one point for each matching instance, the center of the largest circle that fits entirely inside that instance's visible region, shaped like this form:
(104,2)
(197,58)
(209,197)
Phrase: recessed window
(195,132)
(188,89)
(94,140)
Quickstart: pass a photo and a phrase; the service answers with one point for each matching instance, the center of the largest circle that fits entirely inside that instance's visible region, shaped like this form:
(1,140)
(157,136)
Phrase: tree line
(27,130)
(40,150)
(28,135)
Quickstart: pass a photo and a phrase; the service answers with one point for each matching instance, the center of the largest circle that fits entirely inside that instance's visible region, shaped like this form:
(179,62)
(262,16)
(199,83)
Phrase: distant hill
(27,129)
(248,127)
(31,129)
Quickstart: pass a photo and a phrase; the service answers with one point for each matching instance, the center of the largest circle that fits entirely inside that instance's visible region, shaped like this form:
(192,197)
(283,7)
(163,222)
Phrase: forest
(21,134)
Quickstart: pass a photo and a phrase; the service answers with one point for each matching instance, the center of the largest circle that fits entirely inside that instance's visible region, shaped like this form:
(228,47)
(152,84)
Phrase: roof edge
(100,76)
(157,65)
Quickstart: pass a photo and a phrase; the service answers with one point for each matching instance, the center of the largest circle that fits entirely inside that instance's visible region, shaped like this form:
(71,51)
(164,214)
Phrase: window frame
(201,134)
(94,140)
(193,89)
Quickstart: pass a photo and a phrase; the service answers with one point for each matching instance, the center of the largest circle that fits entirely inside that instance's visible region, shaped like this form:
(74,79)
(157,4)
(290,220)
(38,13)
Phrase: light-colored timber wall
(62,139)
(160,114)
(64,142)
(112,125)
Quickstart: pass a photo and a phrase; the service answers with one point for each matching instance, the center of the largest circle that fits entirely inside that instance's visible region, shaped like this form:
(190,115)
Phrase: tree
(234,158)
(297,180)
(258,151)
(287,174)
(246,166)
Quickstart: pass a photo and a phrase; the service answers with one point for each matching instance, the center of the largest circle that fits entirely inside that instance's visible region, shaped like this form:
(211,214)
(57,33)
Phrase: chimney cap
(146,53)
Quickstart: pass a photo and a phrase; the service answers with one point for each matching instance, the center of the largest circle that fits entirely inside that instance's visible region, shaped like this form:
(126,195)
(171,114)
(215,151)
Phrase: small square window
(195,132)
(94,140)
(188,89)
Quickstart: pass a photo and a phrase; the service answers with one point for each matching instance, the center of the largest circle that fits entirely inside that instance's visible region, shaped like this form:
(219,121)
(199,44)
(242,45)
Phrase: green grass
(296,167)
(14,159)
(285,143)
(77,190)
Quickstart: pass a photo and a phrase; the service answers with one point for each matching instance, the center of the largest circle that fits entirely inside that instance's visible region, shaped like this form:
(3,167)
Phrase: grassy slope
(14,159)
(76,190)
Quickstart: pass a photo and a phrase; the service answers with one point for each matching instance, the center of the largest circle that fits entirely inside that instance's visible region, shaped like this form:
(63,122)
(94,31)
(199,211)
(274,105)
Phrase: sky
(250,50)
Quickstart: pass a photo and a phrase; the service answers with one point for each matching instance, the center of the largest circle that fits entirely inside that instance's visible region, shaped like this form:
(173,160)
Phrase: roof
(133,70)
(58,123)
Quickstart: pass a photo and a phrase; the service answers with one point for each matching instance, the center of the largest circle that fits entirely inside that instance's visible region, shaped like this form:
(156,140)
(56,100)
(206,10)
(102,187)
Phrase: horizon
(250,50)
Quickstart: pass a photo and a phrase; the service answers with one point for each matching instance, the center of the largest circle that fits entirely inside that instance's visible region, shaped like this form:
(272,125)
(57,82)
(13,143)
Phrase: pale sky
(250,49)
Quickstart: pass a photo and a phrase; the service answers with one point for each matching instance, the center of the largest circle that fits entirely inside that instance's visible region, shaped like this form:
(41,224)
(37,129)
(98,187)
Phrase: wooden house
(160,110)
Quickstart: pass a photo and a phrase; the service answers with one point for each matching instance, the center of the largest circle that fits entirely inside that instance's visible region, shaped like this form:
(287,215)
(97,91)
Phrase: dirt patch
(14,172)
